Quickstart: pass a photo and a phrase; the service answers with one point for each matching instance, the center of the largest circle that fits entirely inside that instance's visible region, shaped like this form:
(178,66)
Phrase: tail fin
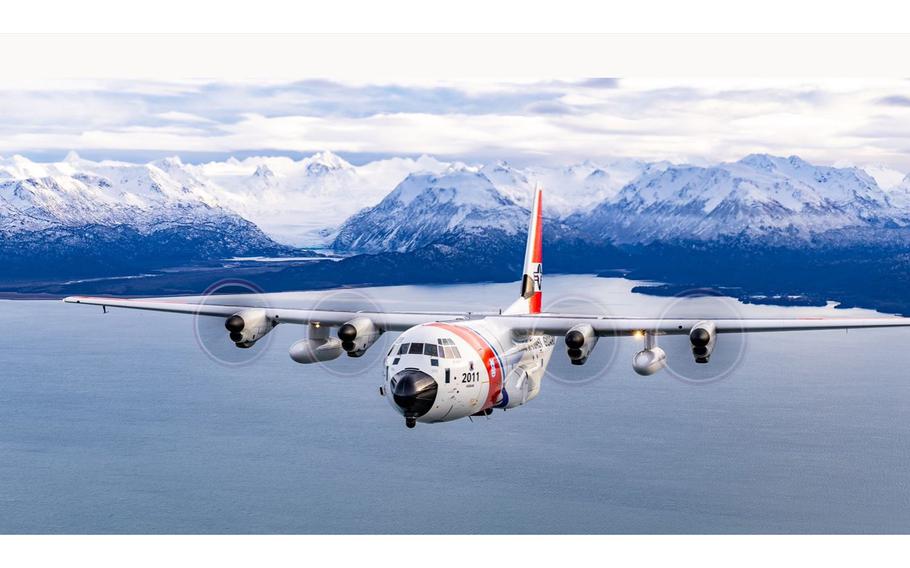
(529,302)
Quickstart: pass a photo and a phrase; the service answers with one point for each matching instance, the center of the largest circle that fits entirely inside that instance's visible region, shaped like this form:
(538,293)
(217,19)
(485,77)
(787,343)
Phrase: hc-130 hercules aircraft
(447,366)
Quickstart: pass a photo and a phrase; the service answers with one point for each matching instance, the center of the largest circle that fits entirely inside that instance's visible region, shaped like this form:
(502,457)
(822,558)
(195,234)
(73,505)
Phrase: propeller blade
(214,335)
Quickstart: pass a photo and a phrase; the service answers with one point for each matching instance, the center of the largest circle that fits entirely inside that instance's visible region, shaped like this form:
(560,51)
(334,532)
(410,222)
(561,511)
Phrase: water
(119,423)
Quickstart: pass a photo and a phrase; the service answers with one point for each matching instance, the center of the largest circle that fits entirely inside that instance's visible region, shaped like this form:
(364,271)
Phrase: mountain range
(82,218)
(776,200)
(86,218)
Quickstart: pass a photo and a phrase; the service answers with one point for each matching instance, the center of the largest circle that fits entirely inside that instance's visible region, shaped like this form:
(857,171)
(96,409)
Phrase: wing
(386,321)
(559,324)
(553,324)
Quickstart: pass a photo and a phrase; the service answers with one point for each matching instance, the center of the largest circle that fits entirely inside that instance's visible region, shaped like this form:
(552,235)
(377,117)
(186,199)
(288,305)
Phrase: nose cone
(414,392)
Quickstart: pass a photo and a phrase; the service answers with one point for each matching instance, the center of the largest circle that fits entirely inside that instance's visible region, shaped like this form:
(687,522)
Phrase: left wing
(604,326)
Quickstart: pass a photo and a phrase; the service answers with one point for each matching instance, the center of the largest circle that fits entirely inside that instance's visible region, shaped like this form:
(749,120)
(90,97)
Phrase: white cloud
(177,116)
(823,120)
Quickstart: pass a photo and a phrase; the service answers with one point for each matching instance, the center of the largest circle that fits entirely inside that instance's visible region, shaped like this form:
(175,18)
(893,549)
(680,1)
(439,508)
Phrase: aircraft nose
(414,392)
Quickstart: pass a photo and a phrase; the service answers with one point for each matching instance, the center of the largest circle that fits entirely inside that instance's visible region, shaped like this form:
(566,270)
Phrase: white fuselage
(476,365)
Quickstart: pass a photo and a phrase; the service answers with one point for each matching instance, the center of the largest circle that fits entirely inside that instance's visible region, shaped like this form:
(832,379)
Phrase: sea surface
(140,422)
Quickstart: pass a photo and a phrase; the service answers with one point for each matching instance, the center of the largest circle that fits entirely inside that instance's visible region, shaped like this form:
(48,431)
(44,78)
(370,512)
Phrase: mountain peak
(765,162)
(426,208)
(72,157)
(461,167)
(325,161)
(462,186)
(263,171)
(798,162)
(169,163)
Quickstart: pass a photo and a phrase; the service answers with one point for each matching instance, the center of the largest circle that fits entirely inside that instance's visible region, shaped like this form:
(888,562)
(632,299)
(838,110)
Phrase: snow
(887,178)
(306,202)
(76,192)
(426,207)
(569,189)
(300,202)
(756,195)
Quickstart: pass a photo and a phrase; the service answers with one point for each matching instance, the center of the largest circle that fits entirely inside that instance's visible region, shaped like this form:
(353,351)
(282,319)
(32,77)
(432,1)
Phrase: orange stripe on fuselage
(485,350)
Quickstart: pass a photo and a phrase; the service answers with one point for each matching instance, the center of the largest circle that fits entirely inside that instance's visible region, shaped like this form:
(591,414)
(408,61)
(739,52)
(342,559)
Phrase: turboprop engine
(703,337)
(580,341)
(317,347)
(358,335)
(246,327)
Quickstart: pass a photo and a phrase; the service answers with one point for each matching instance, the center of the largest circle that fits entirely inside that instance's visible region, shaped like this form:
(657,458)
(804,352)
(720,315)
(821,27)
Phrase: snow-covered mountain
(571,188)
(886,178)
(79,192)
(400,203)
(301,202)
(758,196)
(305,202)
(427,208)
(60,209)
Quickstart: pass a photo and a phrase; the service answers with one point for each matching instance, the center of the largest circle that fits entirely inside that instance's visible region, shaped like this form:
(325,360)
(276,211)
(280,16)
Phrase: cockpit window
(447,349)
(442,351)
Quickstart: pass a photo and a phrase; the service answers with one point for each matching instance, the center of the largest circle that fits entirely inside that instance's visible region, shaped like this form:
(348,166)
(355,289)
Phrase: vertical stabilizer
(529,302)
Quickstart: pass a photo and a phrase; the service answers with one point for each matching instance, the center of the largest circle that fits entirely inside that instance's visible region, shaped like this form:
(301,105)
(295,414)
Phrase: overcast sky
(862,121)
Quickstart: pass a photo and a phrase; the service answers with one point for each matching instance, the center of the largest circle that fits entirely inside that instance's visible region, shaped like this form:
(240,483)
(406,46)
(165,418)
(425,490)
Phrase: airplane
(446,366)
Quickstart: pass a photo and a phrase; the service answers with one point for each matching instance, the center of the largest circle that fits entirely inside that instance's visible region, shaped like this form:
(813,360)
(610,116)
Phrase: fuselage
(437,372)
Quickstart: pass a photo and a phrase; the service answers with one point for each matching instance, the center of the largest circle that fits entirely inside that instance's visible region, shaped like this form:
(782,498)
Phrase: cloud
(559,120)
(600,82)
(177,116)
(895,100)
(549,107)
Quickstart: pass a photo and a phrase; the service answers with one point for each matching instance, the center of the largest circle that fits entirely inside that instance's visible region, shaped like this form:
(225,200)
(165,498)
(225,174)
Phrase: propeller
(353,300)
(729,349)
(601,357)
(215,336)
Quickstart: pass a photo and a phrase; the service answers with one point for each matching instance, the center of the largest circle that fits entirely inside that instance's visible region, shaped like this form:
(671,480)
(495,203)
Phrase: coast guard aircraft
(447,366)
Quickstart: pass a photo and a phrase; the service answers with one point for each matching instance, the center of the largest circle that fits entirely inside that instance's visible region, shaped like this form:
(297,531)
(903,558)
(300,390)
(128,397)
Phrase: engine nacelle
(580,341)
(358,335)
(703,336)
(246,327)
(649,361)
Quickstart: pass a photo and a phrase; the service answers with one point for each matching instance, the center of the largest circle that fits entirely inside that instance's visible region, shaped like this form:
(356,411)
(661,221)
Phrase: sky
(826,121)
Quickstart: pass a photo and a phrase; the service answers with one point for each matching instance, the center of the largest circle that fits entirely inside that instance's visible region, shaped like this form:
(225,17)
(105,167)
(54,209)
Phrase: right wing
(549,323)
(386,321)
